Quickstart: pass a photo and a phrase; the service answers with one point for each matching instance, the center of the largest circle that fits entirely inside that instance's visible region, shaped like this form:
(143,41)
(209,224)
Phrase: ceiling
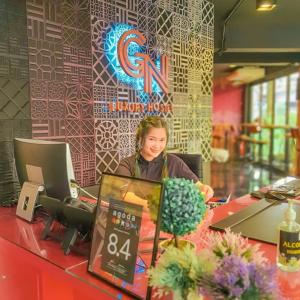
(269,39)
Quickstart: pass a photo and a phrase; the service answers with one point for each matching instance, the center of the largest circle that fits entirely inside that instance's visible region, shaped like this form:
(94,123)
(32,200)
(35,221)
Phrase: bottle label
(289,247)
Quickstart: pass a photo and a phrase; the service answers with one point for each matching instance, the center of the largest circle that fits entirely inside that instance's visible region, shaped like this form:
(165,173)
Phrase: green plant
(183,207)
(228,268)
(177,272)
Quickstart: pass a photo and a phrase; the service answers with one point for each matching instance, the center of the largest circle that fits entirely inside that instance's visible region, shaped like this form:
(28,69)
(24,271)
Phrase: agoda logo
(126,51)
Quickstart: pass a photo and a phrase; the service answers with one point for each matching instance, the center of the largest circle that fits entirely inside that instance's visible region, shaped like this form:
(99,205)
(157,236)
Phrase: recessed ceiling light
(265,5)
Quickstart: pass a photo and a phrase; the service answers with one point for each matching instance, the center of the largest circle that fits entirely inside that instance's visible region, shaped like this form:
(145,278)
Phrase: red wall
(228,105)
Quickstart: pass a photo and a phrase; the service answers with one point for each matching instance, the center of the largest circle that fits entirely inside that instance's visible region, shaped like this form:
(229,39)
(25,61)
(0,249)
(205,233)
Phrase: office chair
(194,162)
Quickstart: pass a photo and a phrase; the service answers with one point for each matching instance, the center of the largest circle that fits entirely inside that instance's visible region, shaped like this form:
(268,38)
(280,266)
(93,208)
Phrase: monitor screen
(47,163)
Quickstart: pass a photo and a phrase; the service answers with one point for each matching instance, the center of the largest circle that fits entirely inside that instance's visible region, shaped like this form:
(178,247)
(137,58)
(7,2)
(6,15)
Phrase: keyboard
(291,188)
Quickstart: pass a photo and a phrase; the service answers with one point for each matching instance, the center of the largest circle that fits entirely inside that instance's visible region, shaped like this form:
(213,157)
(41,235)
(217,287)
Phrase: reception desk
(31,268)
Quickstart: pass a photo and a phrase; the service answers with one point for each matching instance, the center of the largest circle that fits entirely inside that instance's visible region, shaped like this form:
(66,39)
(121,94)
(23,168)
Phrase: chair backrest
(194,162)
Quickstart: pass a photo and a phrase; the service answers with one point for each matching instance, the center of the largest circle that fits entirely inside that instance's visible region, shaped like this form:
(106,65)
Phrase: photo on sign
(125,234)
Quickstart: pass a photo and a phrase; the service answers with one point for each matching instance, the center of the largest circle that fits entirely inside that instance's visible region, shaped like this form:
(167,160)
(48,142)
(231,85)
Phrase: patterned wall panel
(46,71)
(14,91)
(183,30)
(72,83)
(60,64)
(75,89)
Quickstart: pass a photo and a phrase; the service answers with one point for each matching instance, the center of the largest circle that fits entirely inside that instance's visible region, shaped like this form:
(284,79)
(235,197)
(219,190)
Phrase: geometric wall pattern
(71,81)
(183,30)
(14,91)
(60,67)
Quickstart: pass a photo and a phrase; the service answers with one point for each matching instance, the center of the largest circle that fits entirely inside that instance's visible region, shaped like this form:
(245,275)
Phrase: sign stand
(128,214)
(28,199)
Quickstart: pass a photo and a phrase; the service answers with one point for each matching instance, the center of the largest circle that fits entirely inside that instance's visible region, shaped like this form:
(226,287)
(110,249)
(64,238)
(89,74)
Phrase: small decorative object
(229,243)
(228,268)
(241,271)
(183,207)
(176,272)
(235,278)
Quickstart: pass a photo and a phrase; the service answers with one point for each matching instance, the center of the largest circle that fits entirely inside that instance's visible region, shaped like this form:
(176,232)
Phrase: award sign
(126,233)
(121,239)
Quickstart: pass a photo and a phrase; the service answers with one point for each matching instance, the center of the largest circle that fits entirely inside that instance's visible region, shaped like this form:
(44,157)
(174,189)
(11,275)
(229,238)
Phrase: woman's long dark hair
(142,130)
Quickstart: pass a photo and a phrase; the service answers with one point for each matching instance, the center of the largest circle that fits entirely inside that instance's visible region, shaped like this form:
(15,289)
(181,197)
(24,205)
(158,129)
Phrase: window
(255,102)
(292,115)
(274,104)
(280,118)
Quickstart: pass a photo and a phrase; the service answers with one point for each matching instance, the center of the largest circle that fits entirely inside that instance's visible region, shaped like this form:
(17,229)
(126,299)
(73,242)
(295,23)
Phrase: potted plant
(183,208)
(228,268)
(176,272)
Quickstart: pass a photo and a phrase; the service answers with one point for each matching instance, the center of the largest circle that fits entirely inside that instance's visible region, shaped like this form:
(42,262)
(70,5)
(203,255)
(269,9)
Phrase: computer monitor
(47,163)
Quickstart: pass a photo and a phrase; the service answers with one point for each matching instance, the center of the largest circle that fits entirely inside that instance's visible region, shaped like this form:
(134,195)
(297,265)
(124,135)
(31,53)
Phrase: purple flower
(236,278)
(263,278)
(232,276)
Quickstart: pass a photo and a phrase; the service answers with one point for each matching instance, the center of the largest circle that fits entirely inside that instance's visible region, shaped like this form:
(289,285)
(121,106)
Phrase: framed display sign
(126,232)
(121,239)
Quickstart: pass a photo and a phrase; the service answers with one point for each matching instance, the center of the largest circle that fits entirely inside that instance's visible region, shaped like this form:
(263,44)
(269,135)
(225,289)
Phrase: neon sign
(143,67)
(125,50)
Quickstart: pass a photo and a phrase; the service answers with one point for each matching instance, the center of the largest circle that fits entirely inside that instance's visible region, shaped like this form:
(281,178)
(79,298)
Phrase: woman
(151,160)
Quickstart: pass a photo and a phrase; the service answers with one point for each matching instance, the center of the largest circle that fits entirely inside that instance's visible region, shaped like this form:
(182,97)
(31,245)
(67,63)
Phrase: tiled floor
(239,178)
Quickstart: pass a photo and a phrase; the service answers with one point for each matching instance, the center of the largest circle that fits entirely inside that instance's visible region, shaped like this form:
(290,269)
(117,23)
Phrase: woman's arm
(126,166)
(178,168)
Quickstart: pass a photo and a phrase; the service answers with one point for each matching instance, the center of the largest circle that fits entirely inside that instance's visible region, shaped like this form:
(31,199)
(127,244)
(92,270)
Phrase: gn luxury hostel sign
(125,49)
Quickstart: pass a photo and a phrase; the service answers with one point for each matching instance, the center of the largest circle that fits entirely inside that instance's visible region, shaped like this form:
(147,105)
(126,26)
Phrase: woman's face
(154,144)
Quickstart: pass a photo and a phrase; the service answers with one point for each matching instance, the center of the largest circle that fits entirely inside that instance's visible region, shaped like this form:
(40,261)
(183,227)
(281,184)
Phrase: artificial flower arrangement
(227,268)
(183,207)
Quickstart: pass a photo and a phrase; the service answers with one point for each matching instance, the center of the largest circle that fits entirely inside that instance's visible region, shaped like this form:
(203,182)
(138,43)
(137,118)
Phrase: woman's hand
(206,190)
